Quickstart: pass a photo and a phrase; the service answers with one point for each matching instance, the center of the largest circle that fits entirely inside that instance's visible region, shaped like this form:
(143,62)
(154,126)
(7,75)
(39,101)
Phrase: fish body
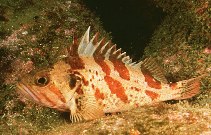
(96,78)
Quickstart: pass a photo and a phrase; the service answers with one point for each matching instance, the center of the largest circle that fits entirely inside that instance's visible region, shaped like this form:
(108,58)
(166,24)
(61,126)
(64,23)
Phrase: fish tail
(187,88)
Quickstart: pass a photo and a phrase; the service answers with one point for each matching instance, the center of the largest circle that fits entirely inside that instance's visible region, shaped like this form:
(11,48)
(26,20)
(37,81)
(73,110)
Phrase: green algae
(43,33)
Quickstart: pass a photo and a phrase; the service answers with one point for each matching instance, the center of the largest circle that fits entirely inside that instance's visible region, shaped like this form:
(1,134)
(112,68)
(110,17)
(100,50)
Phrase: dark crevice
(131,22)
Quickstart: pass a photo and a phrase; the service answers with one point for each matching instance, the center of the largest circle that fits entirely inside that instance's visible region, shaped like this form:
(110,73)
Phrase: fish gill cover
(33,36)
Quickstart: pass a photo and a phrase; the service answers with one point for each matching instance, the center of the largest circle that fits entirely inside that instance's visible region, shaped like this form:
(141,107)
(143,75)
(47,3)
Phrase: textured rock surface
(34,35)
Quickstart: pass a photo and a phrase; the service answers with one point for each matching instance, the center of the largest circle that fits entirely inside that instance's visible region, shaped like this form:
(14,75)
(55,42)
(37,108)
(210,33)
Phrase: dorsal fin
(84,42)
(150,65)
(107,50)
(90,48)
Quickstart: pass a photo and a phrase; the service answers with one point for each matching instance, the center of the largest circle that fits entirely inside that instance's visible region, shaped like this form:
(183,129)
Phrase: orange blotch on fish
(152,82)
(120,67)
(79,90)
(56,91)
(93,86)
(74,59)
(116,88)
(131,95)
(136,81)
(86,83)
(99,95)
(137,89)
(173,86)
(48,99)
(100,61)
(152,94)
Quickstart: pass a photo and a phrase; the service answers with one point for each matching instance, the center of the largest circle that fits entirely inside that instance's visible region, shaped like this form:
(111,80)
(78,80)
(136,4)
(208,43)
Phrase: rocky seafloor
(35,34)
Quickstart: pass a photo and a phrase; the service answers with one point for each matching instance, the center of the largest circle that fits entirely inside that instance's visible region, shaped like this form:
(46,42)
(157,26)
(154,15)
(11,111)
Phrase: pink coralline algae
(21,68)
(207,50)
(13,38)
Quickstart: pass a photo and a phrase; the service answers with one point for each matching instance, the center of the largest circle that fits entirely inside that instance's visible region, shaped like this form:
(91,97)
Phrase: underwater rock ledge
(33,35)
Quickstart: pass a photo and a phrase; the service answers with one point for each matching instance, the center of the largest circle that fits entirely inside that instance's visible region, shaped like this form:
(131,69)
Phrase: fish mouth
(29,93)
(25,91)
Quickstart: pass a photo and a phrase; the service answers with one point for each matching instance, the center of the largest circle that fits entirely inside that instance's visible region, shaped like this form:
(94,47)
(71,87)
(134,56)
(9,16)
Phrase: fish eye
(42,81)
(73,80)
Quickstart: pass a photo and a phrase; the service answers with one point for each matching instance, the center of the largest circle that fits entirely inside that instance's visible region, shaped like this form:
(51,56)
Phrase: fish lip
(24,90)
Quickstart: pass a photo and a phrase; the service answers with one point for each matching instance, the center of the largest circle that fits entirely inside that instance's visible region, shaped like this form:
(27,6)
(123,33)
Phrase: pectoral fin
(90,109)
(75,115)
(85,107)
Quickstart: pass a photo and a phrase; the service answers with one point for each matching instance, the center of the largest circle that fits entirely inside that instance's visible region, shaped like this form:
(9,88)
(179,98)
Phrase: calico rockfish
(96,78)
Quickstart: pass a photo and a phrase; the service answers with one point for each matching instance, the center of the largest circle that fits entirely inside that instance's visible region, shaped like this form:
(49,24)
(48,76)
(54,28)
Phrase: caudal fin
(188,88)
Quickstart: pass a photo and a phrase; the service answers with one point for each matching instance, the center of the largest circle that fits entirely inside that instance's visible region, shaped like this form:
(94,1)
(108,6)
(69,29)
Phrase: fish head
(53,87)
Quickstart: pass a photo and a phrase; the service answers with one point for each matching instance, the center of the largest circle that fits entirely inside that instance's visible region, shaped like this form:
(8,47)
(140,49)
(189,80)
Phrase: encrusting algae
(33,36)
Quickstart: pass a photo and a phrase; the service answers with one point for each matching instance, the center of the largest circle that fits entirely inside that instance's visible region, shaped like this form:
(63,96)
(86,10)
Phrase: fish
(96,78)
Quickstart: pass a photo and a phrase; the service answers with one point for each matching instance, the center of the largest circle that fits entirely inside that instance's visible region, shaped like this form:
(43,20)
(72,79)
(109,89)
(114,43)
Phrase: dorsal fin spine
(118,51)
(104,46)
(90,46)
(93,47)
(126,58)
(132,64)
(138,65)
(84,41)
(107,54)
(113,49)
(128,61)
(121,55)
(97,45)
